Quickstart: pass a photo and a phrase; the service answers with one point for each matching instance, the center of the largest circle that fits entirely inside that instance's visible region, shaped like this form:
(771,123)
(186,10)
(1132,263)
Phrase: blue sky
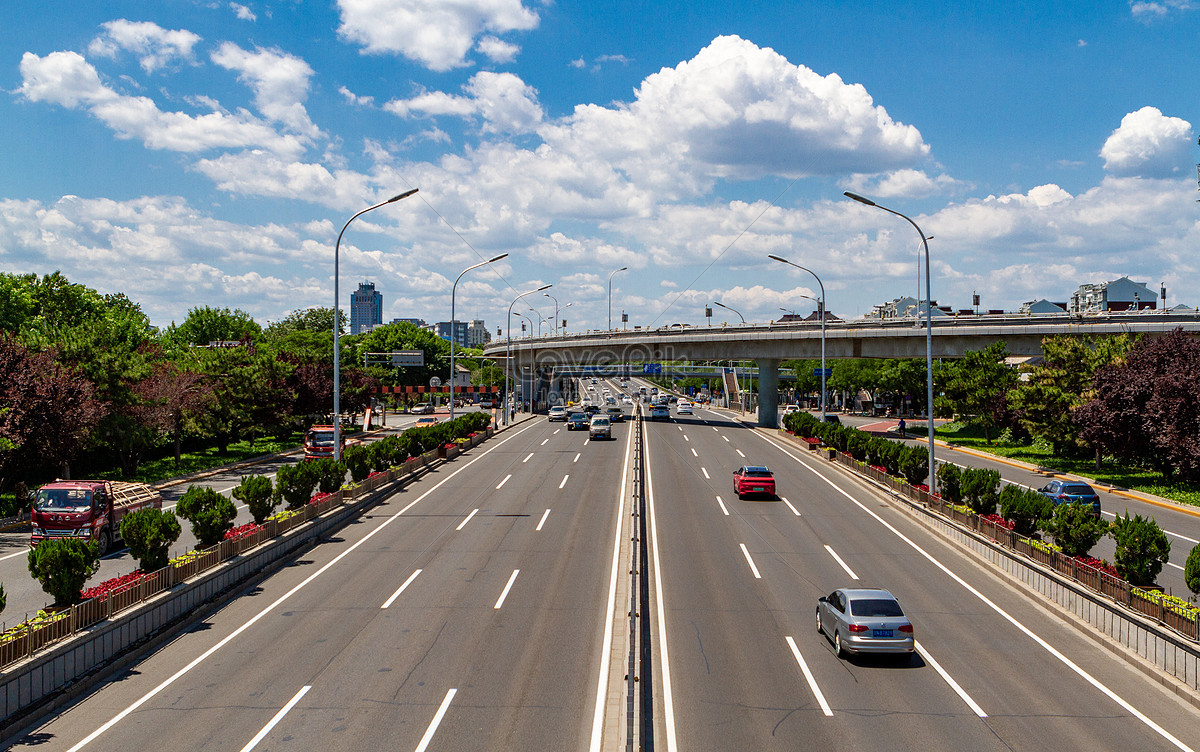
(195,153)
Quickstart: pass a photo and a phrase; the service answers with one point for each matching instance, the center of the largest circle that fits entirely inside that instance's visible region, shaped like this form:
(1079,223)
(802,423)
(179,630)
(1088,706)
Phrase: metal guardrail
(22,643)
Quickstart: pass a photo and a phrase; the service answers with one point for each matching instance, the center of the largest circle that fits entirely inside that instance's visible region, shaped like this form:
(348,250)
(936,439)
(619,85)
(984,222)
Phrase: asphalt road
(469,611)
(739,583)
(479,586)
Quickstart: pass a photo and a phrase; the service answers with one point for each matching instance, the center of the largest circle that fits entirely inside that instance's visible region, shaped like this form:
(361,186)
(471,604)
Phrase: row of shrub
(896,458)
(1142,548)
(63,566)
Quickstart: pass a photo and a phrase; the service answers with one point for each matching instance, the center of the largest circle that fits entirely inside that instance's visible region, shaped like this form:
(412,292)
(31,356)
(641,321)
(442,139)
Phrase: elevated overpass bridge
(540,361)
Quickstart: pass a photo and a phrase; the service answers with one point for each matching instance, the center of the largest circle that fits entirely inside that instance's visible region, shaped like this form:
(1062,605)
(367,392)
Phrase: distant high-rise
(442,329)
(366,308)
(477,334)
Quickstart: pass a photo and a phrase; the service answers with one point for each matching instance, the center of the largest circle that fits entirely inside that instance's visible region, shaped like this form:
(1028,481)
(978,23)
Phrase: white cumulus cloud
(504,102)
(66,79)
(242,12)
(1148,144)
(155,46)
(436,33)
(279,82)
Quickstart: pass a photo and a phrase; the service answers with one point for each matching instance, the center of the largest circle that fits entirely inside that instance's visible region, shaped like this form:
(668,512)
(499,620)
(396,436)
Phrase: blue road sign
(828,372)
(652,368)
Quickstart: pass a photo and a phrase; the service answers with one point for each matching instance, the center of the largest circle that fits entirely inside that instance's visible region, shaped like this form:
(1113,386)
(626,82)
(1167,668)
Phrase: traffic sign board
(828,372)
(652,368)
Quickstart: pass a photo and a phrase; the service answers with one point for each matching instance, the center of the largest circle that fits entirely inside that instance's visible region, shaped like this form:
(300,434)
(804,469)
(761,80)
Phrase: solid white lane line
(564,481)
(739,451)
(463,524)
(281,599)
(542,521)
(13,556)
(808,677)
(694,453)
(838,559)
(400,589)
(705,471)
(530,456)
(950,680)
(723,509)
(544,441)
(610,614)
(501,483)
(750,561)
(992,605)
(507,587)
(794,510)
(664,667)
(278,717)
(578,454)
(1169,564)
(437,721)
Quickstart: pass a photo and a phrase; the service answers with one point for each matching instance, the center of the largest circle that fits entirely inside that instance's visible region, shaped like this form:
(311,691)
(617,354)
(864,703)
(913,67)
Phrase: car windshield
(875,607)
(63,499)
(599,421)
(320,438)
(757,472)
(1078,489)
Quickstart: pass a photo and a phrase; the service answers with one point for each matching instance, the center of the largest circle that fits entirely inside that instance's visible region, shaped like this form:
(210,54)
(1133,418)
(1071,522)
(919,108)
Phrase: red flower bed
(812,439)
(925,488)
(114,586)
(880,468)
(242,531)
(998,521)
(1095,563)
(319,498)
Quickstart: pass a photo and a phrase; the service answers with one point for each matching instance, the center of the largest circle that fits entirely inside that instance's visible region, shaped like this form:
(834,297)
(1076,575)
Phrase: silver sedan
(864,620)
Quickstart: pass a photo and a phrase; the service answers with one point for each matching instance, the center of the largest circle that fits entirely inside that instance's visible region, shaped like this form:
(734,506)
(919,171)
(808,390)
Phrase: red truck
(88,509)
(318,442)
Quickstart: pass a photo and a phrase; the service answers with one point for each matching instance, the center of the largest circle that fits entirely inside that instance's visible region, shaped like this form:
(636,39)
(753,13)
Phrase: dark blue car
(1070,491)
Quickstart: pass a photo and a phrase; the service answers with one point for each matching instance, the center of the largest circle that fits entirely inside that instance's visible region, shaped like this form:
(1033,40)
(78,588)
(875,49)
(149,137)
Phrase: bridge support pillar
(768,392)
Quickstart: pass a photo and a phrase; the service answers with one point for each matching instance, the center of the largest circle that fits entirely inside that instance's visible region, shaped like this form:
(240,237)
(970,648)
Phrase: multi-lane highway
(471,611)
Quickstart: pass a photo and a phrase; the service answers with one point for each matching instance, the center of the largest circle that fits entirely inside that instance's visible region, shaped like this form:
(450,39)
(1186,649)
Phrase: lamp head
(858,198)
(406,194)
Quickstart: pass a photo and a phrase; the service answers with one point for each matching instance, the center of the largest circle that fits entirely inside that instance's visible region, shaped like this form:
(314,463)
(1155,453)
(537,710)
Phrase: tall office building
(366,308)
(477,334)
(442,329)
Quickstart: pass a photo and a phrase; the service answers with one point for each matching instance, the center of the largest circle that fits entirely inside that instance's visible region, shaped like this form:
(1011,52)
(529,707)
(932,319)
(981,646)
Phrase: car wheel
(105,541)
(837,645)
(820,629)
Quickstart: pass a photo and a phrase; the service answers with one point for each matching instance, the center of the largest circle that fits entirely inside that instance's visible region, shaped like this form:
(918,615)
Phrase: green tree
(980,489)
(1191,571)
(402,336)
(1142,549)
(976,385)
(63,565)
(149,534)
(294,484)
(205,325)
(315,319)
(248,396)
(1063,382)
(210,513)
(1028,510)
(258,495)
(1076,528)
(358,461)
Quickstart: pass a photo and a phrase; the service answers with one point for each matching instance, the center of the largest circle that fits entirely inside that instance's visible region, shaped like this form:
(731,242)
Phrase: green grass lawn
(1136,479)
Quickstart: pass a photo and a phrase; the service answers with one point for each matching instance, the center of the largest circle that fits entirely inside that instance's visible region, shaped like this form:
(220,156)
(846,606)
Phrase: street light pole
(453,291)
(623,268)
(928,334)
(337,404)
(531,363)
(548,295)
(508,347)
(821,313)
(742,402)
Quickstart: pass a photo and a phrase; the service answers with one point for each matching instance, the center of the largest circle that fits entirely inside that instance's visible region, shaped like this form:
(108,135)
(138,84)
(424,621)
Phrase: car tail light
(906,628)
(1062,497)
(858,628)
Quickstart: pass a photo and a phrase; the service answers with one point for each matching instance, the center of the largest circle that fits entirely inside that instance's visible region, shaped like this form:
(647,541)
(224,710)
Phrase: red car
(753,479)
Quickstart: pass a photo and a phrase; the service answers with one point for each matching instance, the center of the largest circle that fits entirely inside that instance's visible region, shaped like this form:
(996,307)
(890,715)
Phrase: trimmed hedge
(894,457)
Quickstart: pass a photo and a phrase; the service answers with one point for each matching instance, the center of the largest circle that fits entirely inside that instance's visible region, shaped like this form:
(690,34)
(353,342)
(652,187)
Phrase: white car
(791,409)
(600,428)
(683,408)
